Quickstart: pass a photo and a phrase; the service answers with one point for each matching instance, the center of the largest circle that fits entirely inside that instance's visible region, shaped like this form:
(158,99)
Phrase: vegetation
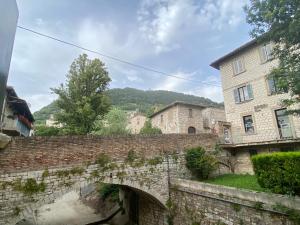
(42,130)
(279,22)
(199,163)
(238,181)
(293,215)
(113,123)
(130,99)
(278,172)
(109,190)
(148,129)
(83,98)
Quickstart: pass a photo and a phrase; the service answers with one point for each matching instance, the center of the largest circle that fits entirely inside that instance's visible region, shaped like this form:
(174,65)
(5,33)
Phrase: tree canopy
(83,98)
(149,129)
(278,21)
(113,123)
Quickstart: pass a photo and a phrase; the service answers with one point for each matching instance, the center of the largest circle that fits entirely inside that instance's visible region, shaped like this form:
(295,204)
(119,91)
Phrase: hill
(131,99)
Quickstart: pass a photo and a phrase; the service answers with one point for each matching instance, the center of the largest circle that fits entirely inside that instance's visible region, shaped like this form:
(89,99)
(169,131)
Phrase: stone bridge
(36,171)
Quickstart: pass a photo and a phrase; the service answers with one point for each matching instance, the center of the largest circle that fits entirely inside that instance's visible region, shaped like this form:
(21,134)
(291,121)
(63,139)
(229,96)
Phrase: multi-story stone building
(253,102)
(136,121)
(180,117)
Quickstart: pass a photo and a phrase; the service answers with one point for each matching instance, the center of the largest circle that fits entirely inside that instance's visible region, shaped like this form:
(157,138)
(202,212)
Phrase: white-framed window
(243,93)
(238,66)
(266,52)
(248,124)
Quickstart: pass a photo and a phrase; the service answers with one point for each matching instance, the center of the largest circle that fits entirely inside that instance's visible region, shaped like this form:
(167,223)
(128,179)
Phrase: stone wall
(38,153)
(205,204)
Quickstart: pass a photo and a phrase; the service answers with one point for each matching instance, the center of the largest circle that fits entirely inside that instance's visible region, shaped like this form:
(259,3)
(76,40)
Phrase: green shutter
(236,96)
(250,91)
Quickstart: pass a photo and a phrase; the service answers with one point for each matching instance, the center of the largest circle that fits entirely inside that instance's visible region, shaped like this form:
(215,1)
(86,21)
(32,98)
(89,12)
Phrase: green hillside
(131,99)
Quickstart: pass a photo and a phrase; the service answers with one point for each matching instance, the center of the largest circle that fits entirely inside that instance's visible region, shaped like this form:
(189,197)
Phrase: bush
(43,130)
(199,163)
(148,129)
(109,190)
(279,172)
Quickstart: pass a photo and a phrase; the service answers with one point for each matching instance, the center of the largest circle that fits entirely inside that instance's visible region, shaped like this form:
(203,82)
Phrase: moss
(293,214)
(236,207)
(45,174)
(258,205)
(30,186)
(155,161)
(120,175)
(131,156)
(77,171)
(16,211)
(103,159)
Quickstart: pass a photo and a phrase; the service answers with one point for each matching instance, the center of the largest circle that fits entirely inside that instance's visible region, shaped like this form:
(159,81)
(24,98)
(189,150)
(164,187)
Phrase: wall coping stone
(242,194)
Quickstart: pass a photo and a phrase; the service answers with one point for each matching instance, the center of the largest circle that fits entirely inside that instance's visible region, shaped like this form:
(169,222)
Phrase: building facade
(136,122)
(258,121)
(185,118)
(17,119)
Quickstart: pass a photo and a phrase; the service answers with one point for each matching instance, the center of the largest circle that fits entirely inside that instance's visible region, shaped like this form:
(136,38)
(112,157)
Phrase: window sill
(250,134)
(234,75)
(244,101)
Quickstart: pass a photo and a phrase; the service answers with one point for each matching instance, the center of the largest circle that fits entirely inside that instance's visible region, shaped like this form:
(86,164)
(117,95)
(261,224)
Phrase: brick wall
(25,154)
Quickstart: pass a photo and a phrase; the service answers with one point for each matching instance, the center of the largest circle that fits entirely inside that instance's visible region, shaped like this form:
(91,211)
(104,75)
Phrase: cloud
(165,23)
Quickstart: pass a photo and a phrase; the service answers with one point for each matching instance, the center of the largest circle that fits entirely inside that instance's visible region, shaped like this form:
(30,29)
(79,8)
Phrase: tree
(83,98)
(148,129)
(113,123)
(279,22)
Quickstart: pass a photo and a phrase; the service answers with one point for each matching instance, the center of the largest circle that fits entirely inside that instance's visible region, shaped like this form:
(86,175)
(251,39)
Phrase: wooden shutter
(250,91)
(262,54)
(236,96)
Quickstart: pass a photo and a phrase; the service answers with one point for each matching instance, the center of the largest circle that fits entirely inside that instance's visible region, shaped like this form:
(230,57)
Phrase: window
(238,66)
(266,52)
(274,87)
(161,118)
(243,93)
(190,113)
(192,130)
(248,124)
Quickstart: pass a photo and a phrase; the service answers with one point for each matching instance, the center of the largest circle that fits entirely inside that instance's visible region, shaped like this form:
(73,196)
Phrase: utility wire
(115,58)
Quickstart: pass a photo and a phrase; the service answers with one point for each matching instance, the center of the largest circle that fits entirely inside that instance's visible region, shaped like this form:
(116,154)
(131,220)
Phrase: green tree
(279,21)
(148,129)
(42,130)
(113,123)
(83,98)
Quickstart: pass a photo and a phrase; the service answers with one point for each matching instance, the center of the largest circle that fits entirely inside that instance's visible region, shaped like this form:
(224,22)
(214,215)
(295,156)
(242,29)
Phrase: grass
(238,181)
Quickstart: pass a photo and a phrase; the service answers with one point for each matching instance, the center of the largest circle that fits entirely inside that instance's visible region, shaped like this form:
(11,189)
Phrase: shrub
(149,129)
(279,172)
(46,131)
(109,190)
(199,163)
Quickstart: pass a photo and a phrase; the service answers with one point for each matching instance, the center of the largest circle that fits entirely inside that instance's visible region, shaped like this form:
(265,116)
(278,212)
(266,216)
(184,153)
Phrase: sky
(178,37)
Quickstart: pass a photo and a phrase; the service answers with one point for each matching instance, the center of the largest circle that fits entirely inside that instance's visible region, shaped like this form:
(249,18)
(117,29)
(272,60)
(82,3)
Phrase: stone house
(17,119)
(181,117)
(51,122)
(256,120)
(136,121)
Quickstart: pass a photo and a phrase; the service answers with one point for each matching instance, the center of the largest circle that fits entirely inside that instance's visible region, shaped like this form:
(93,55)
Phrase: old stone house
(257,120)
(136,121)
(181,117)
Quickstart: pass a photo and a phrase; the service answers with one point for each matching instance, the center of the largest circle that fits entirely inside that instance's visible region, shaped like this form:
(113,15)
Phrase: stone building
(136,121)
(257,120)
(17,119)
(51,122)
(181,117)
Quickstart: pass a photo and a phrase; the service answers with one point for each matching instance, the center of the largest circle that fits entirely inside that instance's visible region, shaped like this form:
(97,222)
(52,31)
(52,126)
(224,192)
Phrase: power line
(114,58)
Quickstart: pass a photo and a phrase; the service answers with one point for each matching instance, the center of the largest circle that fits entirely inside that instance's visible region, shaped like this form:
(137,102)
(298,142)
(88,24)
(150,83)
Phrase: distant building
(51,122)
(186,118)
(17,119)
(136,121)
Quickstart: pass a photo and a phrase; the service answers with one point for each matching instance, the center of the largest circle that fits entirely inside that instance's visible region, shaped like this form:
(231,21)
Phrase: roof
(216,64)
(177,103)
(18,105)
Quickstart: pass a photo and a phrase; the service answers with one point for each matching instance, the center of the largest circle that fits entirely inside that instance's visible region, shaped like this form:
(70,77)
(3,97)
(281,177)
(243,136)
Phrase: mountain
(131,99)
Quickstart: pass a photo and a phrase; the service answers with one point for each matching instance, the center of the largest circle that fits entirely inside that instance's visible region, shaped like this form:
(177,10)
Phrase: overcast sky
(179,37)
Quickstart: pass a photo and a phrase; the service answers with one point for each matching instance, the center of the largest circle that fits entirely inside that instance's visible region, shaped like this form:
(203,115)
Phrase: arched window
(192,130)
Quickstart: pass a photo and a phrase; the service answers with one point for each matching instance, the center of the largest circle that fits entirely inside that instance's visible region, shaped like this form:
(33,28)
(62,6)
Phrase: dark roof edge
(177,103)
(216,63)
